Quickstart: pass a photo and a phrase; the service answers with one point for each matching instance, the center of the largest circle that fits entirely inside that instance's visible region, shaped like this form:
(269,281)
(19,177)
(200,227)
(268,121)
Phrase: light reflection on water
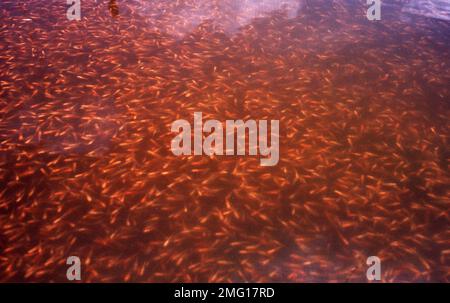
(238,13)
(439,9)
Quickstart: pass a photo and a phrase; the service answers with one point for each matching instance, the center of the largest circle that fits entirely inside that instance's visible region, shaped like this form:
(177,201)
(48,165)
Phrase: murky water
(86,109)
